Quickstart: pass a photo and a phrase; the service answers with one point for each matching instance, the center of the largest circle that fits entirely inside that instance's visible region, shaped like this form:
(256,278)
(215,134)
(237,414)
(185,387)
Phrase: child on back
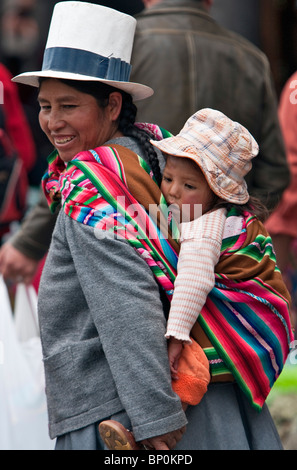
(221,236)
(205,167)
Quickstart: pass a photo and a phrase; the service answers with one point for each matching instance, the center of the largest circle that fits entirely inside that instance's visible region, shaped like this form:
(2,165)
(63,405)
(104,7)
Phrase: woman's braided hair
(127,127)
(100,91)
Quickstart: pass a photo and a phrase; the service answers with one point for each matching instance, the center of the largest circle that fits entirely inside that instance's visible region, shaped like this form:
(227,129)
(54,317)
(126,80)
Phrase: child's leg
(193,374)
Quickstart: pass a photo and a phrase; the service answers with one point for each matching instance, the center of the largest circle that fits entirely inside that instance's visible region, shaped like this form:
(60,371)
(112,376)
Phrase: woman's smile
(72,120)
(62,142)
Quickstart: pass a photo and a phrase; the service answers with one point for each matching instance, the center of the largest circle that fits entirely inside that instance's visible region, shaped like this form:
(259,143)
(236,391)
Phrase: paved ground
(282,403)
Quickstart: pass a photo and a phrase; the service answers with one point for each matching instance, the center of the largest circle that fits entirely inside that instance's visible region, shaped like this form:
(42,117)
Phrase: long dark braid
(101,91)
(126,126)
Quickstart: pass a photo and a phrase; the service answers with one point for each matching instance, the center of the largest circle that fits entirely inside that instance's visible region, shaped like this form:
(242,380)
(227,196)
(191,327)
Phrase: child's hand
(175,348)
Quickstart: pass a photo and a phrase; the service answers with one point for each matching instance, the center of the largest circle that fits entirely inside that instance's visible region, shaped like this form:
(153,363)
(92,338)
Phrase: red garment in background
(16,122)
(37,276)
(284,218)
(16,126)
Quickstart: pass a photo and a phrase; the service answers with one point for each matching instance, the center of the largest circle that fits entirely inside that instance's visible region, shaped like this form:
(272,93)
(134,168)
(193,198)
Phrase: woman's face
(73,121)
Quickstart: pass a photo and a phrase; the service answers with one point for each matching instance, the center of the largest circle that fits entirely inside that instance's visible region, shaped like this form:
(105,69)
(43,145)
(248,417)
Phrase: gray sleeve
(124,301)
(34,236)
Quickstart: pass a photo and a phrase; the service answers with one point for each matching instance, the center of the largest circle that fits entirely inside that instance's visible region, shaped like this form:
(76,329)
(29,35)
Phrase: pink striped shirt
(201,241)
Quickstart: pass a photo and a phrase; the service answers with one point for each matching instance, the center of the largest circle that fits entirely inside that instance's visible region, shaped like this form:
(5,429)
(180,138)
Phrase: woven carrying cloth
(246,315)
(247,321)
(115,193)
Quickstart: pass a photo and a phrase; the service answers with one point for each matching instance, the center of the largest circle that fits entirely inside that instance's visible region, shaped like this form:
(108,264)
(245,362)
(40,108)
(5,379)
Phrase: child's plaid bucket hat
(222,148)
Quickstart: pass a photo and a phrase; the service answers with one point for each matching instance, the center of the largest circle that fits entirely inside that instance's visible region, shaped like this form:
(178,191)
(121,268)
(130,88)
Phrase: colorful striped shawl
(246,315)
(131,213)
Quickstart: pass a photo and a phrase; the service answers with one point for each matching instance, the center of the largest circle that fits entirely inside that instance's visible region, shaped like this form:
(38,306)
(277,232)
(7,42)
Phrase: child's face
(184,184)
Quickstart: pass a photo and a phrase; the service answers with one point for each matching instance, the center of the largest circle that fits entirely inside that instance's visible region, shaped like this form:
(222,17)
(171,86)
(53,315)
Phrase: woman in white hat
(100,310)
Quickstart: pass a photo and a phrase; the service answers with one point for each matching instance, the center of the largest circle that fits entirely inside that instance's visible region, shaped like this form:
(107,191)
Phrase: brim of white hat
(136,90)
(169,147)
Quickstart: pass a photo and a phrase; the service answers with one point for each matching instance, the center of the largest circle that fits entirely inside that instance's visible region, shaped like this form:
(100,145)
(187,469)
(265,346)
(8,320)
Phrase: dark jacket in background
(191,63)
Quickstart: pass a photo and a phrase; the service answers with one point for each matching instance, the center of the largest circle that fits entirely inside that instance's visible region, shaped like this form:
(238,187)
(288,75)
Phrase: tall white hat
(92,43)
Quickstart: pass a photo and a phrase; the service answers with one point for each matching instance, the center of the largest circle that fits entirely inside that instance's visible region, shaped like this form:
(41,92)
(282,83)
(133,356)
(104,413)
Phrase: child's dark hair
(254,206)
(101,91)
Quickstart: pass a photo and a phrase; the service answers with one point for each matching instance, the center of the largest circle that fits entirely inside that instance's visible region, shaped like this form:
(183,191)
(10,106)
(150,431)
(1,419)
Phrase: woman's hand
(164,441)
(16,267)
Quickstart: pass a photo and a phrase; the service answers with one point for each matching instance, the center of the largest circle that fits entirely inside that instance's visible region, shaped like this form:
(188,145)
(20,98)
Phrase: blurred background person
(22,39)
(282,224)
(270,25)
(207,66)
(17,154)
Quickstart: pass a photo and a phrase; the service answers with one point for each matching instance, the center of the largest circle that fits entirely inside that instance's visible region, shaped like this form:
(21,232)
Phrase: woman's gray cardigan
(102,329)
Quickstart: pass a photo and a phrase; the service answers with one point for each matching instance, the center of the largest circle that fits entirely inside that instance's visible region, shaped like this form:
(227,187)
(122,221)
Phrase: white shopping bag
(25,313)
(23,412)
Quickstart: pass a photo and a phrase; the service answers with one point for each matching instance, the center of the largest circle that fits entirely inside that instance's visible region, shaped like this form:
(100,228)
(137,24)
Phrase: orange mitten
(193,374)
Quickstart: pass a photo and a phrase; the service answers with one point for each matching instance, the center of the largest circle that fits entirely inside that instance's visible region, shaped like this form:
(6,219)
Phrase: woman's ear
(115,104)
